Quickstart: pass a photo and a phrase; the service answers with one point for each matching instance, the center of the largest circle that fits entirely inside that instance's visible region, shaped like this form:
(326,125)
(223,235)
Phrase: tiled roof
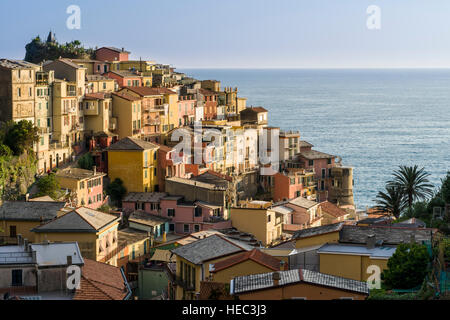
(147,91)
(125,73)
(17,64)
(129,143)
(114,49)
(314,155)
(255,109)
(383,252)
(207,92)
(332,209)
(78,220)
(69,63)
(144,196)
(310,232)
(305,144)
(100,281)
(148,219)
(97,77)
(129,236)
(30,210)
(303,202)
(254,255)
(385,234)
(265,281)
(207,249)
(126,96)
(97,96)
(207,288)
(79,174)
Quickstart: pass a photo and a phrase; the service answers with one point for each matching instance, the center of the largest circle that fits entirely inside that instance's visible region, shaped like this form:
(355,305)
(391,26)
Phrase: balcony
(188,286)
(43,130)
(58,145)
(152,122)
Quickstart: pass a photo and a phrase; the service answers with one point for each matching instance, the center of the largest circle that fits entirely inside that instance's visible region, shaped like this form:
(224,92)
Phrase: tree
(49,186)
(414,183)
(391,201)
(445,188)
(86,161)
(21,136)
(407,267)
(116,190)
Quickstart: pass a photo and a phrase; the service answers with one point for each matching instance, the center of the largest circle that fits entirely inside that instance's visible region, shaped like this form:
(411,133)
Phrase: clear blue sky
(243,33)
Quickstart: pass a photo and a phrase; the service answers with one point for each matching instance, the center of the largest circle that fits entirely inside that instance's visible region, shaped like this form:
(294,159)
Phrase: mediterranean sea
(375,119)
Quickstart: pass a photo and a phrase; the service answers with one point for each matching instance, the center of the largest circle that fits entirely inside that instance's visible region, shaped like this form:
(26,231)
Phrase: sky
(243,33)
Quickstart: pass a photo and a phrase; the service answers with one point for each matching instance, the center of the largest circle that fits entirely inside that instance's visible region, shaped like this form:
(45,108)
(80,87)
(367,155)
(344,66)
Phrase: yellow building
(246,263)
(127,110)
(97,83)
(97,109)
(317,236)
(86,186)
(135,162)
(18,217)
(193,262)
(256,218)
(95,232)
(352,261)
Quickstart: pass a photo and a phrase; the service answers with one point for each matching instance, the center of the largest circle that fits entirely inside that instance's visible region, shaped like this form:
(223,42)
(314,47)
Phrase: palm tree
(391,201)
(414,183)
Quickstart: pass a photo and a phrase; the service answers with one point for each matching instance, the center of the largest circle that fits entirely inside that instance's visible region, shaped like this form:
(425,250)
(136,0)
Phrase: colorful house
(292,183)
(257,218)
(125,78)
(246,263)
(111,54)
(135,162)
(19,217)
(85,186)
(95,232)
(297,284)
(127,110)
(193,262)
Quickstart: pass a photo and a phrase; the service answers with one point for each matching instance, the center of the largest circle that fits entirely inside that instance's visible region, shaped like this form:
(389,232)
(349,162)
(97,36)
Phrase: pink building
(186,110)
(292,183)
(111,54)
(125,78)
(189,217)
(168,167)
(145,201)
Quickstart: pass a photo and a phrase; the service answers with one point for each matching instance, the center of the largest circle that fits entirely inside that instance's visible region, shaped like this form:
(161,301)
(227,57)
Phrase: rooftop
(303,202)
(207,249)
(101,281)
(81,219)
(310,232)
(265,281)
(115,49)
(129,143)
(304,144)
(97,77)
(17,64)
(144,196)
(129,236)
(145,218)
(254,255)
(314,155)
(254,109)
(126,96)
(147,91)
(79,174)
(30,210)
(382,252)
(332,209)
(97,96)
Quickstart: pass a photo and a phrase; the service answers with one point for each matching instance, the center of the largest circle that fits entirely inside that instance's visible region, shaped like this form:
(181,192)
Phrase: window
(323,173)
(104,85)
(171,227)
(269,218)
(154,172)
(197,228)
(186,228)
(145,174)
(311,162)
(322,185)
(171,212)
(198,212)
(129,83)
(12,231)
(154,155)
(19,92)
(16,278)
(42,141)
(329,161)
(154,206)
(30,91)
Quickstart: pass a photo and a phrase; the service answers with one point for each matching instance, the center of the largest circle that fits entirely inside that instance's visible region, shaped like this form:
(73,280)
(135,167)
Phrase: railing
(184,283)
(112,254)
(59,145)
(43,130)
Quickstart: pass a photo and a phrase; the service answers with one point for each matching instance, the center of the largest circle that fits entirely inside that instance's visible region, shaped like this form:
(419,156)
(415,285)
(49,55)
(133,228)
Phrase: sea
(375,119)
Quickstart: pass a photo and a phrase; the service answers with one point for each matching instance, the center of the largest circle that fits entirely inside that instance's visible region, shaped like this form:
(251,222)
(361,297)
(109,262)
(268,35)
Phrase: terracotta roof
(100,281)
(332,209)
(96,96)
(314,154)
(216,290)
(255,109)
(126,96)
(129,143)
(207,92)
(147,91)
(303,202)
(113,49)
(316,231)
(254,255)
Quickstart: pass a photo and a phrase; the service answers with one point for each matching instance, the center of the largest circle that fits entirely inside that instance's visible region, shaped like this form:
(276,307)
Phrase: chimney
(19,240)
(69,260)
(25,244)
(95,169)
(123,49)
(276,276)
(370,242)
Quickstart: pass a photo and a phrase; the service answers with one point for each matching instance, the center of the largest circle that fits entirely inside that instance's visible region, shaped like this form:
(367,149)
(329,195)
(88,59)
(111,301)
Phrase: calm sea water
(375,120)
